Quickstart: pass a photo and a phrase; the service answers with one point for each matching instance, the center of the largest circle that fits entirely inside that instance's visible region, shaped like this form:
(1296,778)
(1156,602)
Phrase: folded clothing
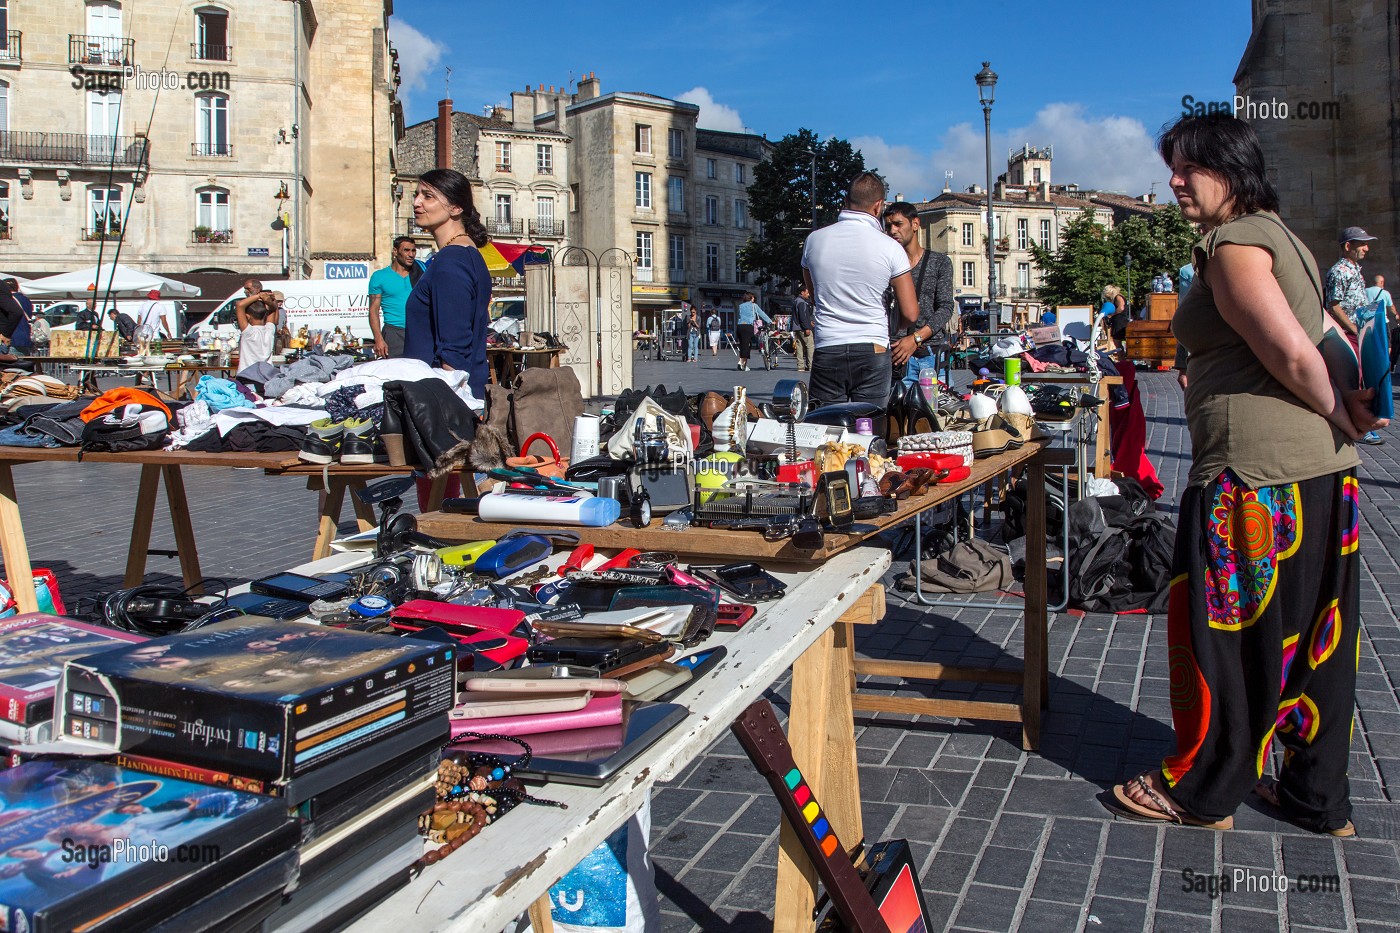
(113,399)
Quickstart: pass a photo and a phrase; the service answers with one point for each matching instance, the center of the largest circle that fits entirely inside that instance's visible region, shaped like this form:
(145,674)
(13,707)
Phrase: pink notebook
(603,710)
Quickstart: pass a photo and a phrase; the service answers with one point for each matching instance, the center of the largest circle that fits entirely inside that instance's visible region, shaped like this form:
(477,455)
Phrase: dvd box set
(267,701)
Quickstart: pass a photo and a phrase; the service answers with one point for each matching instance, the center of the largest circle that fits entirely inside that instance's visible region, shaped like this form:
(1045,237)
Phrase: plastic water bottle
(928,386)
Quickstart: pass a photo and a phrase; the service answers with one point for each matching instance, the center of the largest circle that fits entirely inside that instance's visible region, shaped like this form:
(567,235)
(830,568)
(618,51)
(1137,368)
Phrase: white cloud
(713,116)
(418,56)
(1106,153)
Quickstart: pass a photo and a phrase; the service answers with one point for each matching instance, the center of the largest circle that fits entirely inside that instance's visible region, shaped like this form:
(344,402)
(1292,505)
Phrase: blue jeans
(852,372)
(693,346)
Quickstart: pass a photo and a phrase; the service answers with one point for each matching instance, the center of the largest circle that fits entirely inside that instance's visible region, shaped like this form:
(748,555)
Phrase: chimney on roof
(588,87)
(522,110)
(999,191)
(444,134)
(1044,187)
(1151,198)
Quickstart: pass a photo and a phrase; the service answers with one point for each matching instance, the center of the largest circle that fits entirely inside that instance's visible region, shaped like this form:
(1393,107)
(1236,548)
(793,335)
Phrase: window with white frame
(544,159)
(739,174)
(544,216)
(104,212)
(711,210)
(211,125)
(711,168)
(643,191)
(502,156)
(711,262)
(643,139)
(675,143)
(4,210)
(644,250)
(1023,233)
(1023,277)
(969,275)
(211,211)
(967,235)
(677,258)
(741,212)
(1045,234)
(4,105)
(503,212)
(675,194)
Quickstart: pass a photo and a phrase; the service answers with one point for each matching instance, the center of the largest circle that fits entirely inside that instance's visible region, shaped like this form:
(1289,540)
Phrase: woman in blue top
(1109,315)
(446,314)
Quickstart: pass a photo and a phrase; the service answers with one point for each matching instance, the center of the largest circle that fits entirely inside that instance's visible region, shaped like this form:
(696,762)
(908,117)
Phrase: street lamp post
(986,93)
(1128,261)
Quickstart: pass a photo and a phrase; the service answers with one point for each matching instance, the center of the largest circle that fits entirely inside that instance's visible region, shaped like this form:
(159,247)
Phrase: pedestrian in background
(389,289)
(1263,619)
(933,287)
(1346,293)
(21,339)
(692,337)
(802,328)
(713,325)
(1113,309)
(1377,292)
(749,313)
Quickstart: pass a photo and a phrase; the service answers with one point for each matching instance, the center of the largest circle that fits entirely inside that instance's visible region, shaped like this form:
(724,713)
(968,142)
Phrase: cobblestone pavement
(1007,840)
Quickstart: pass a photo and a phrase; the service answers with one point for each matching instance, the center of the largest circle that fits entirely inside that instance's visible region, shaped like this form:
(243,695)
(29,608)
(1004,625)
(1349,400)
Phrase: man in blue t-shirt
(389,288)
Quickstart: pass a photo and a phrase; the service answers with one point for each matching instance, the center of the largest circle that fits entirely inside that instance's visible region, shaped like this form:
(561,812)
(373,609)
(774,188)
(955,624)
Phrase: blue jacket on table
(446,314)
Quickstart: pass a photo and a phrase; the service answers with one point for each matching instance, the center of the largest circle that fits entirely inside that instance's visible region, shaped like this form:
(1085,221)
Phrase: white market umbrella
(123,282)
(18,278)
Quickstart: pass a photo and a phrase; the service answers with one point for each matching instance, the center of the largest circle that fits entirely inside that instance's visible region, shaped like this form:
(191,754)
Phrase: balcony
(99,232)
(204,52)
(1022,291)
(547,229)
(505,227)
(206,235)
(101,51)
(10,47)
(40,148)
(212,150)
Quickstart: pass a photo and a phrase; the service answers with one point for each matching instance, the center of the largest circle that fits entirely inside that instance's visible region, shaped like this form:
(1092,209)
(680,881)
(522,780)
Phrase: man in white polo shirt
(848,266)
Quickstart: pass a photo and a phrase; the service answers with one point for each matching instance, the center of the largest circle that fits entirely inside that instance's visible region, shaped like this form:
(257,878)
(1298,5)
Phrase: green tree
(780,199)
(1092,256)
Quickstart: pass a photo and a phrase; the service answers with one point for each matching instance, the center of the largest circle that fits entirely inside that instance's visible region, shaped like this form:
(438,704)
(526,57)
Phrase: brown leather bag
(542,401)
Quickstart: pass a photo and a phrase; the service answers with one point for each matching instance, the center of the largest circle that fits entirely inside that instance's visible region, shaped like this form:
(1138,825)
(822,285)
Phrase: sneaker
(1371,437)
(360,443)
(322,444)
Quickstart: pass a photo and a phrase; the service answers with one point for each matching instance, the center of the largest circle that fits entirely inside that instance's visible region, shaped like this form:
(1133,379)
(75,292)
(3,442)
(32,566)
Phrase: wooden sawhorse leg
(13,546)
(821,731)
(331,499)
(140,545)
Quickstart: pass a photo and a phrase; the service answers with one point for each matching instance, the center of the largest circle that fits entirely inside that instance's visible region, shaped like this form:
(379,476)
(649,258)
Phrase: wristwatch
(918,341)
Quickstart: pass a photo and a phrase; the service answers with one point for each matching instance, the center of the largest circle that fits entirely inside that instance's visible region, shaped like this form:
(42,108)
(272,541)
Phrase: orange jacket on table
(113,399)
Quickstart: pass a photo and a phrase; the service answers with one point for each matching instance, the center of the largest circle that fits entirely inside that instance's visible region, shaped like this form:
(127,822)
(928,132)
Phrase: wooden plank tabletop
(742,545)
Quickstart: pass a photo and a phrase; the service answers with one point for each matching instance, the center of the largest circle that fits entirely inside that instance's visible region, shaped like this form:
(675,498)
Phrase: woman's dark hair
(1228,146)
(453,186)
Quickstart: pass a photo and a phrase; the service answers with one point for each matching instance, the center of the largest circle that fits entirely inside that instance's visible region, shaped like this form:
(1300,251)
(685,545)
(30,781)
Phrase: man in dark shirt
(802,328)
(11,312)
(124,323)
(933,284)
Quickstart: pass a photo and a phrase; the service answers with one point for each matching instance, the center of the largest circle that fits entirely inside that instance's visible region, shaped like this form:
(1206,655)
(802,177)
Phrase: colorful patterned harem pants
(1263,631)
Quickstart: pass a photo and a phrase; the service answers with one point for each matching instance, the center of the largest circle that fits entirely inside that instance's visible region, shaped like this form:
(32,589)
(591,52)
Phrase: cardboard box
(268,700)
(33,649)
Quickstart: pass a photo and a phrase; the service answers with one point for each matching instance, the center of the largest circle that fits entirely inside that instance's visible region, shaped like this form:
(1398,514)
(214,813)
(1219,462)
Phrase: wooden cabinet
(1161,306)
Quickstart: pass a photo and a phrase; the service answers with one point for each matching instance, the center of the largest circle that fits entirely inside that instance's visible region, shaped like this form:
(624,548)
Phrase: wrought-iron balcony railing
(547,228)
(101,51)
(205,52)
(220,150)
(10,46)
(29,146)
(505,227)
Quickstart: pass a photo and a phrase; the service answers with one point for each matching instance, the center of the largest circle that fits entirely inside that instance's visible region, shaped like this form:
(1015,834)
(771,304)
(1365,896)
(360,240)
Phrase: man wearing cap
(154,322)
(1346,292)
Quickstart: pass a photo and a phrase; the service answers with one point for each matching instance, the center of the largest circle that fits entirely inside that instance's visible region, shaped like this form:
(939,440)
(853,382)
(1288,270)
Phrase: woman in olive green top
(1262,621)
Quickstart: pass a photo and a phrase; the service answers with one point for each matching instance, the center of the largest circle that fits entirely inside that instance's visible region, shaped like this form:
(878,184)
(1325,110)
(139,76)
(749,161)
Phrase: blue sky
(1096,80)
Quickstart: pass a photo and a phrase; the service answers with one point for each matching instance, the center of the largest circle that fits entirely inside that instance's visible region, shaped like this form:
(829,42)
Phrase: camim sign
(347,270)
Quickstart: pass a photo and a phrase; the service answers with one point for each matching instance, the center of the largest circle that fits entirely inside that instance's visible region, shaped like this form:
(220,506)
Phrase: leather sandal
(1162,809)
(1267,790)
(896,485)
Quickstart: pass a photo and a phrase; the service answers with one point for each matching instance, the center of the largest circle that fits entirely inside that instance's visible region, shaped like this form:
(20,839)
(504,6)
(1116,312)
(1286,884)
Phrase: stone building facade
(1335,158)
(1027,208)
(110,132)
(723,169)
(519,171)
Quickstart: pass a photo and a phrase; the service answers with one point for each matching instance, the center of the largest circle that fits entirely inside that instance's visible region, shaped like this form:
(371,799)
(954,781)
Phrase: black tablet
(588,756)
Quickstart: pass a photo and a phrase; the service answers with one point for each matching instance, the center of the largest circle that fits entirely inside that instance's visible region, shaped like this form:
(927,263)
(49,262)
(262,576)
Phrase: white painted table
(510,866)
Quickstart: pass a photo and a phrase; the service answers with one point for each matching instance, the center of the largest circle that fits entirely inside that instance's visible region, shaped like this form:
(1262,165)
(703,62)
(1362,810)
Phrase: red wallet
(491,645)
(485,618)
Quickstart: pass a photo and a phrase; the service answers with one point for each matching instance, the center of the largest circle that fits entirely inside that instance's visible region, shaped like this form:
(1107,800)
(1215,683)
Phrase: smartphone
(734,615)
(297,586)
(602,654)
(747,582)
(539,686)
(256,604)
(701,662)
(490,706)
(539,672)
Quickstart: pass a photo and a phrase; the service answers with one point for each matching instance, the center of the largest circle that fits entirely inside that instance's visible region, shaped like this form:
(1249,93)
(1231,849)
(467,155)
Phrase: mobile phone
(297,586)
(539,672)
(747,582)
(601,654)
(735,614)
(542,686)
(702,661)
(256,604)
